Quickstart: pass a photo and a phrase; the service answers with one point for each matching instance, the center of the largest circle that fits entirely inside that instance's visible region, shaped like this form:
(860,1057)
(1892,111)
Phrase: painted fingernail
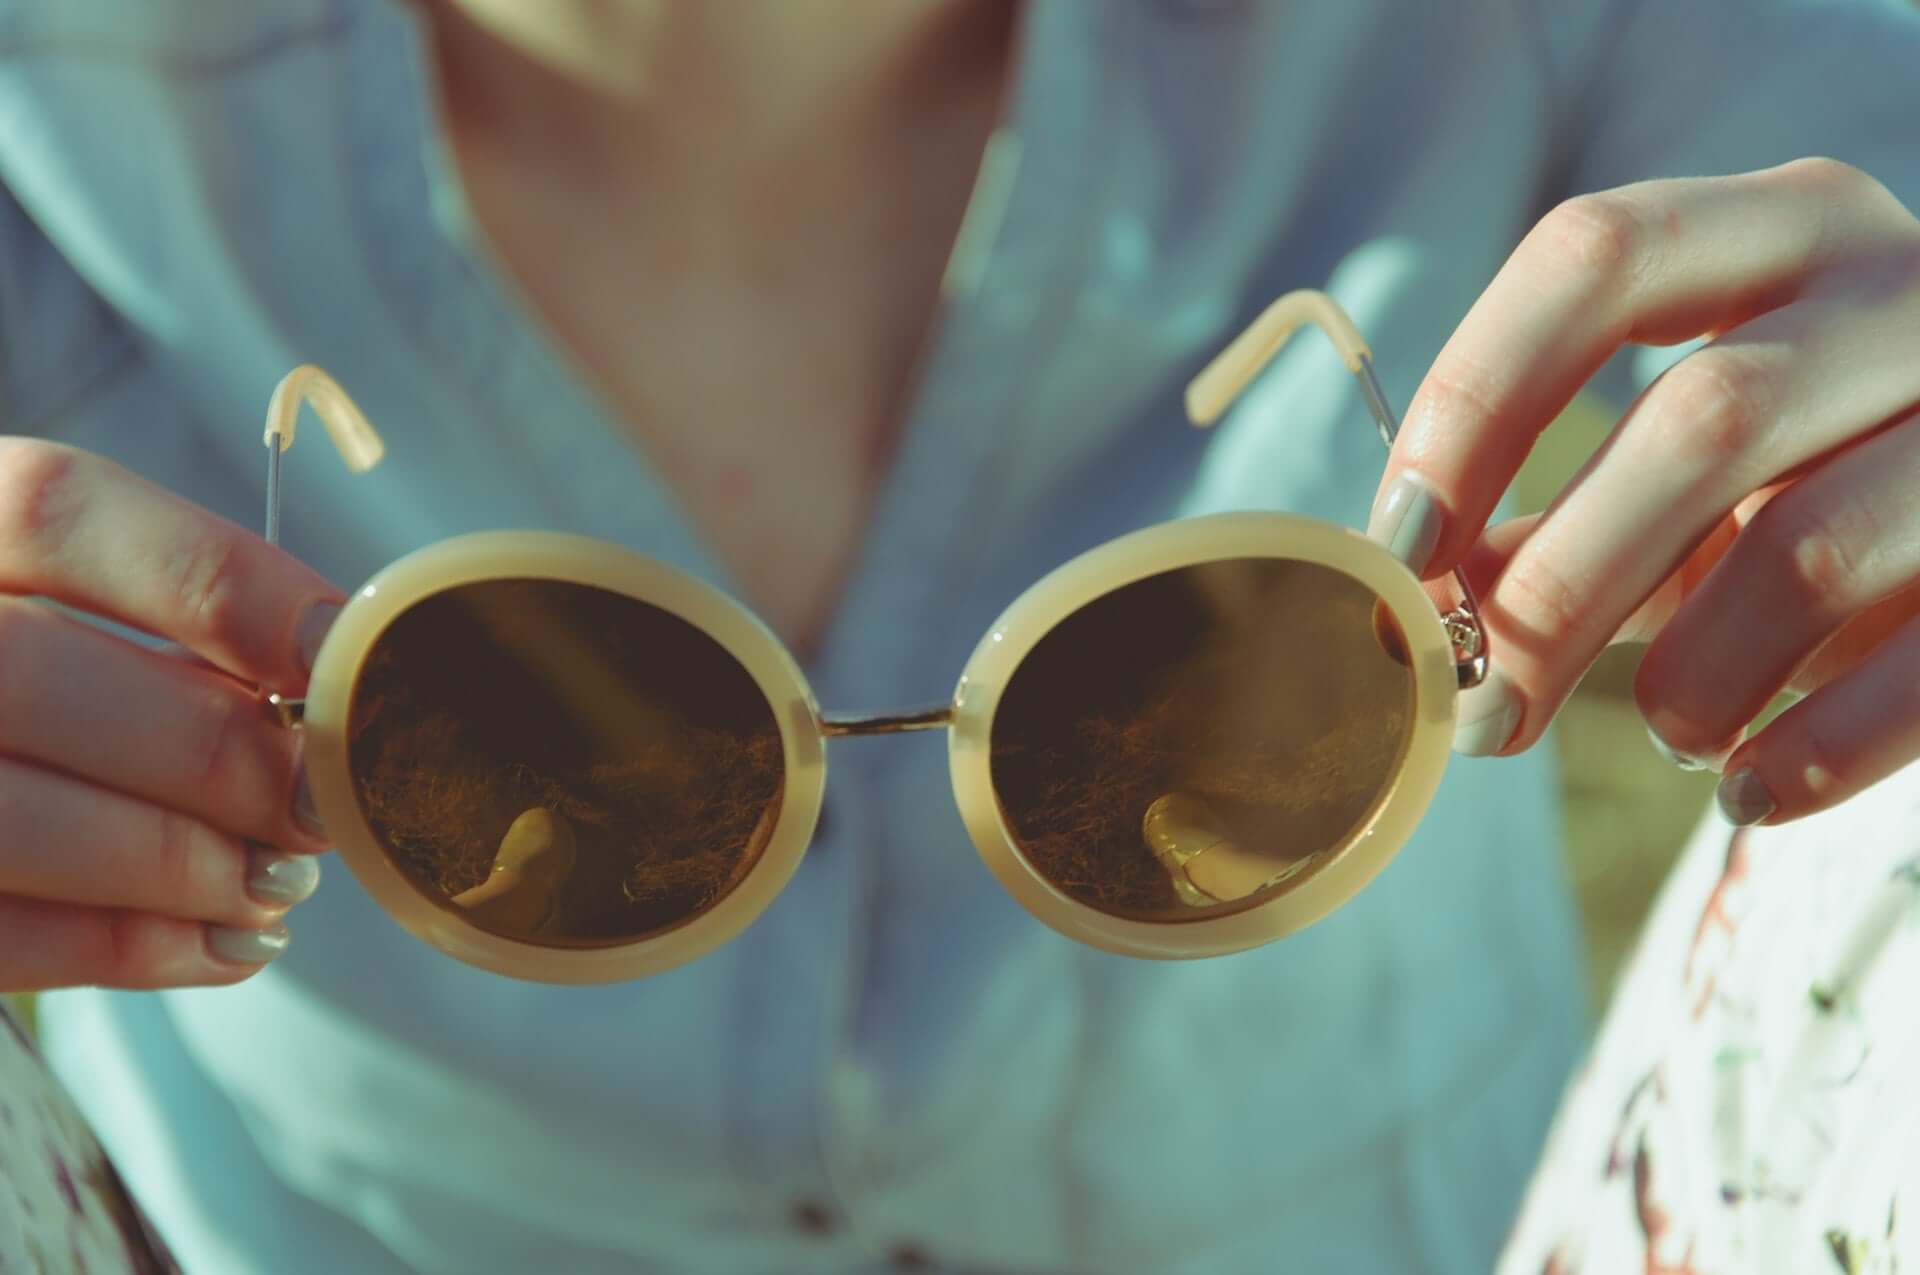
(281,880)
(1407,522)
(246,947)
(305,813)
(1672,758)
(1489,714)
(313,631)
(1744,798)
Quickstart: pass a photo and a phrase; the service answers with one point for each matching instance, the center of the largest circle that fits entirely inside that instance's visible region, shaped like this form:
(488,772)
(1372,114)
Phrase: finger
(1655,262)
(1827,549)
(46,945)
(1852,733)
(67,841)
(1861,636)
(1766,398)
(138,722)
(1490,555)
(78,528)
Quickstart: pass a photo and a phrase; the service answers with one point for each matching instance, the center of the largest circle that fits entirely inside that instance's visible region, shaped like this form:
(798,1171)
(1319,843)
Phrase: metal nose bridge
(932,717)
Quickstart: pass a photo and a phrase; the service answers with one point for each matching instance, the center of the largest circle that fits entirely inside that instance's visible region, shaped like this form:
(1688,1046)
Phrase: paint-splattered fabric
(62,1209)
(1752,1106)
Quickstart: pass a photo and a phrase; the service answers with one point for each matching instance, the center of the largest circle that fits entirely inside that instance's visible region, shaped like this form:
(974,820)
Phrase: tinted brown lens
(1199,740)
(562,765)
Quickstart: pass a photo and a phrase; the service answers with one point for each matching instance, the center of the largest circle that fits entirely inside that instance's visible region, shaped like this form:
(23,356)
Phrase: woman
(874,315)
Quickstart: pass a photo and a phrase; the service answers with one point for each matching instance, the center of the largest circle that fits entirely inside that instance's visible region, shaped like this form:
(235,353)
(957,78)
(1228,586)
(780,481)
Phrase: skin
(1752,514)
(133,779)
(774,187)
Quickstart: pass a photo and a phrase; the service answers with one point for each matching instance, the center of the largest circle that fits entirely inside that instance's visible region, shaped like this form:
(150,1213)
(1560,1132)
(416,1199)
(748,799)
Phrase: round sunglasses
(559,760)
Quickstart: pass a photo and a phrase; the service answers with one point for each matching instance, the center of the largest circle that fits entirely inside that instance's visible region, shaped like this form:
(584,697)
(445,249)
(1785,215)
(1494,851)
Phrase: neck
(618,74)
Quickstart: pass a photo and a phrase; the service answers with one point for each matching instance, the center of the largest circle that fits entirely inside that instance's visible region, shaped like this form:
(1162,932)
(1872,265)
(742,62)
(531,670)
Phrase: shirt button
(910,1257)
(810,1217)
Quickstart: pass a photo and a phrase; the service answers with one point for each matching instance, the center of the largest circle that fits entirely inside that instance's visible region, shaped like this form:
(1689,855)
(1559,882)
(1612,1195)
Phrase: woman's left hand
(1756,513)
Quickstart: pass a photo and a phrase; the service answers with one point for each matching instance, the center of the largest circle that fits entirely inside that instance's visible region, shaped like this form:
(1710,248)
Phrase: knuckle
(143,950)
(1817,556)
(1827,173)
(1459,389)
(208,583)
(1716,405)
(173,867)
(40,495)
(217,740)
(1823,766)
(132,948)
(1599,234)
(1846,188)
(1542,601)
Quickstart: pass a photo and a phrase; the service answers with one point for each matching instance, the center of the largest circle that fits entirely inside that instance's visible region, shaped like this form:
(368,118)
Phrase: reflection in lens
(1198,741)
(560,764)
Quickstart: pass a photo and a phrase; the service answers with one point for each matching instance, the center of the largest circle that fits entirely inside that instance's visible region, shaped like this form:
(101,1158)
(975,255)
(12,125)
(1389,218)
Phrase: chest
(770,406)
(760,357)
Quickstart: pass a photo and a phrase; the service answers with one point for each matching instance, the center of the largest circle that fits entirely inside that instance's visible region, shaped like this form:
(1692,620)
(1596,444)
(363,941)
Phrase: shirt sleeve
(1659,88)
(57,337)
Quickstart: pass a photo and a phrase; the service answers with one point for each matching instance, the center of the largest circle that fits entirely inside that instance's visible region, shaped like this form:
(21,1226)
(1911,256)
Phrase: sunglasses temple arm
(1376,397)
(353,437)
(273,491)
(1233,369)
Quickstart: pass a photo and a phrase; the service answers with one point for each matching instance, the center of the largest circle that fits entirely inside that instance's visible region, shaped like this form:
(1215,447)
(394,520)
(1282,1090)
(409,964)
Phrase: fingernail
(246,947)
(1672,758)
(1744,798)
(313,631)
(1489,714)
(281,880)
(1714,761)
(1407,522)
(305,813)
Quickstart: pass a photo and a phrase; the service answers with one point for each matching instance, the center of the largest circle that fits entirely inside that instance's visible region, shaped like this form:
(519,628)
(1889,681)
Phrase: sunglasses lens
(1198,741)
(562,765)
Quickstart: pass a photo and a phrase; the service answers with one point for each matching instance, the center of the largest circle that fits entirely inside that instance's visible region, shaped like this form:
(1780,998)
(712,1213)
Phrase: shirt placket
(924,548)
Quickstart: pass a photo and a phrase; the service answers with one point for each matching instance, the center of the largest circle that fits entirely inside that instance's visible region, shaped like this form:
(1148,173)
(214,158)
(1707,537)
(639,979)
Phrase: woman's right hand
(148,826)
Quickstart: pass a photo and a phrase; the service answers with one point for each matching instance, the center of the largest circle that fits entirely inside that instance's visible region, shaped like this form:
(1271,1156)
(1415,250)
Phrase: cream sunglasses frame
(1444,653)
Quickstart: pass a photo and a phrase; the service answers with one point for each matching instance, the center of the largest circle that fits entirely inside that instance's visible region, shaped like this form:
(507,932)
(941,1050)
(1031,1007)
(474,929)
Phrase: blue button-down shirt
(199,194)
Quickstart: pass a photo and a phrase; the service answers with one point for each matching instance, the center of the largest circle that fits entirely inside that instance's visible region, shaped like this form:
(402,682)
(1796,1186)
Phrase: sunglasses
(558,760)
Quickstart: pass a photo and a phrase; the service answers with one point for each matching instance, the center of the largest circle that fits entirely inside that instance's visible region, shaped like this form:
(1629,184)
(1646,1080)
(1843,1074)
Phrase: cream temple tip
(1224,379)
(353,435)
